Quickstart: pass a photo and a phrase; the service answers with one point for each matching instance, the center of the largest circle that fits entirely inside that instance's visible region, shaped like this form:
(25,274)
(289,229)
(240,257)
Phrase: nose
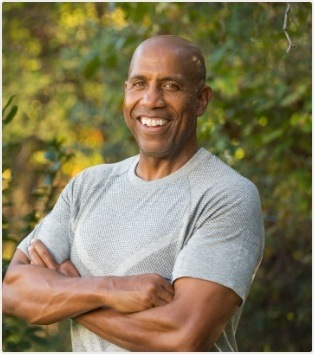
(153,97)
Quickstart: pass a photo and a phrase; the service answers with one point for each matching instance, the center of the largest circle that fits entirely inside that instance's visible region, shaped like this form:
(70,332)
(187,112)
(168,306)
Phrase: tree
(71,60)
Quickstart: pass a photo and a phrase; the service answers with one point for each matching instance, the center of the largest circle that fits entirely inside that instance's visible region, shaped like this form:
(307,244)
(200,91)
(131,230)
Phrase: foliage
(17,336)
(65,64)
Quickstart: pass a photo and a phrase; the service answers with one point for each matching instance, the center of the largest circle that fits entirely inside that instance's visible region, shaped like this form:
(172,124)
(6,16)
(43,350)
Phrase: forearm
(151,330)
(193,321)
(40,295)
(47,292)
(154,320)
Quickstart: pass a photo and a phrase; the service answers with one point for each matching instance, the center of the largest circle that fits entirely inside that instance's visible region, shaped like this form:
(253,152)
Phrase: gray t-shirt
(202,221)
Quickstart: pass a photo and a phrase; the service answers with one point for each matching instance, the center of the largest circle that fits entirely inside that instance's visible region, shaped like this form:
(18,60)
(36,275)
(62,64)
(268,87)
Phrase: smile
(153,122)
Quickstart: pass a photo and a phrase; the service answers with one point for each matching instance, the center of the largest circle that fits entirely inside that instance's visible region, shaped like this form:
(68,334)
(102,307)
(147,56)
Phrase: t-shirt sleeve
(226,245)
(55,229)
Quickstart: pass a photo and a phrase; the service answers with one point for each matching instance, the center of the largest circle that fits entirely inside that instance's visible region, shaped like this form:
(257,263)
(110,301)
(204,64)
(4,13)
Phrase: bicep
(204,308)
(19,258)
(55,230)
(193,321)
(11,279)
(226,245)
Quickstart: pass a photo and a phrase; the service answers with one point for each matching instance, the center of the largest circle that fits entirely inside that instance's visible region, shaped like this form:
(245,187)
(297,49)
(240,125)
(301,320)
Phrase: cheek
(127,108)
(188,113)
(129,103)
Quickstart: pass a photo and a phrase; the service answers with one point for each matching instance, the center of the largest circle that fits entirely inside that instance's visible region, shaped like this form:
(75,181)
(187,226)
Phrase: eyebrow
(177,78)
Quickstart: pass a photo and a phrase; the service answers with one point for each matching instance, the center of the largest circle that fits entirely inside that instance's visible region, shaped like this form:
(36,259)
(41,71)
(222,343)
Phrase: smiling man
(156,252)
(165,93)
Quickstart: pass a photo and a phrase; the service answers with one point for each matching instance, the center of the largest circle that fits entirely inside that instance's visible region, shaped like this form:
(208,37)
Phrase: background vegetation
(64,65)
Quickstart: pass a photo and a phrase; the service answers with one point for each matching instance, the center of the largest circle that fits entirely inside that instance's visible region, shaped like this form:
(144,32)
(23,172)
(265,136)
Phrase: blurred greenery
(64,65)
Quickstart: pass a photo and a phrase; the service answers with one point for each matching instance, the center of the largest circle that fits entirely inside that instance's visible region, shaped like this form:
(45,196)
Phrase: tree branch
(285,28)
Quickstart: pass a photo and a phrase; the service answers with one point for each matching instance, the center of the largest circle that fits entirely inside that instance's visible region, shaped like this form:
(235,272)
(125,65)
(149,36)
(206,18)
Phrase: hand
(126,294)
(40,256)
(136,293)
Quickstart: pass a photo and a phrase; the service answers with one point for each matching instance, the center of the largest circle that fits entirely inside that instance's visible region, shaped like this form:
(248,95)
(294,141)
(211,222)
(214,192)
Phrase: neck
(151,168)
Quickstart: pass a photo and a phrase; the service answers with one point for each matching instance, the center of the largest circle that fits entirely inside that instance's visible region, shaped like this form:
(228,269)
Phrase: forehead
(162,60)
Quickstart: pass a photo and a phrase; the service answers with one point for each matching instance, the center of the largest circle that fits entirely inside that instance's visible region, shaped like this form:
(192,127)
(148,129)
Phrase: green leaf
(91,67)
(10,116)
(8,103)
(272,136)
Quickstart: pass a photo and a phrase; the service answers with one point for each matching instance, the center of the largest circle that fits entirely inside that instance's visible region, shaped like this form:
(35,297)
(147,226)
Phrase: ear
(204,96)
(125,85)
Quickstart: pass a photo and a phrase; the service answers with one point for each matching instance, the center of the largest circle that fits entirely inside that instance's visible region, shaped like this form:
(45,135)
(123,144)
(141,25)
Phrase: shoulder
(92,174)
(98,176)
(211,172)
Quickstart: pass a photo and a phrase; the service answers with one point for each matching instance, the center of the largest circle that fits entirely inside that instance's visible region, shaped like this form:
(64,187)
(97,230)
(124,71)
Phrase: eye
(138,84)
(171,86)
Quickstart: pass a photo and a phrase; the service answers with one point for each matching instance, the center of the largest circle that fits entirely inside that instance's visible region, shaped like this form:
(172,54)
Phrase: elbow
(36,317)
(181,341)
(40,321)
(188,339)
(188,345)
(10,296)
(13,307)
(8,299)
(13,303)
(184,335)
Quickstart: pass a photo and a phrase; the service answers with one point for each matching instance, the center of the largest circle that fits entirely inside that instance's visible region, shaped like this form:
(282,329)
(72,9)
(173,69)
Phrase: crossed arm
(138,313)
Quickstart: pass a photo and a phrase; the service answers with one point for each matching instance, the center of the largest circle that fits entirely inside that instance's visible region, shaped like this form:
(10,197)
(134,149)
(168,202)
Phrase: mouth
(153,122)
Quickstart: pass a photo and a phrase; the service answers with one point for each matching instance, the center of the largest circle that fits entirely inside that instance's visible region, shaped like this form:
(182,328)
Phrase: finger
(164,291)
(160,302)
(166,294)
(45,255)
(34,257)
(168,286)
(68,269)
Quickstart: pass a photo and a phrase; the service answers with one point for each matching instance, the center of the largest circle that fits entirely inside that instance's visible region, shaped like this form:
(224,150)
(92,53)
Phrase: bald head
(188,52)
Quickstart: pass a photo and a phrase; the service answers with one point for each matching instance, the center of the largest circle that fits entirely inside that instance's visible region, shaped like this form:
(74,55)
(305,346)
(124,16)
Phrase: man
(157,252)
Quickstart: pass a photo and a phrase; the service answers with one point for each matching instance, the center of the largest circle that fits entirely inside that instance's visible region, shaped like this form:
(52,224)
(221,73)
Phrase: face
(162,103)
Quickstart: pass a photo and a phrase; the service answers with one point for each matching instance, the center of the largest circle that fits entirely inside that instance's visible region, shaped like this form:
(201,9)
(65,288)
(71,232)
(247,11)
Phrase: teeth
(153,122)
